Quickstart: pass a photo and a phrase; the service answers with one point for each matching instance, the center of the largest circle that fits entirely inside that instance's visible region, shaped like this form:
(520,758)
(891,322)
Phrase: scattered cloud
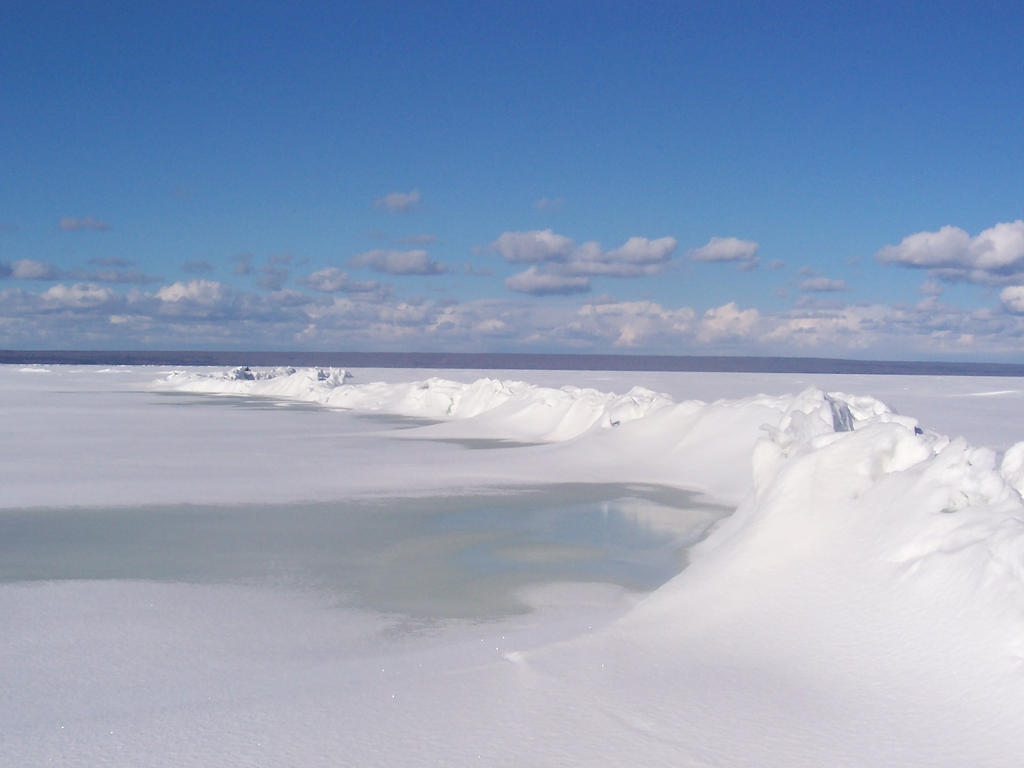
(77,296)
(727,249)
(559,264)
(533,247)
(271,277)
(727,321)
(1012,298)
(630,323)
(77,224)
(417,239)
(469,269)
(204,292)
(993,257)
(88,312)
(128,276)
(416,262)
(400,202)
(822,285)
(549,204)
(111,261)
(333,280)
(243,264)
(539,283)
(30,269)
(197,267)
(638,256)
(930,288)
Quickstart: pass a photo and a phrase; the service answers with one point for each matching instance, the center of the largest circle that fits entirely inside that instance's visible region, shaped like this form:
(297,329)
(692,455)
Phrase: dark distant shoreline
(513,361)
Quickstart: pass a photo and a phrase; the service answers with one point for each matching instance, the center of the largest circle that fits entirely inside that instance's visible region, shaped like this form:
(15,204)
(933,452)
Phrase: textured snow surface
(864,604)
(511,408)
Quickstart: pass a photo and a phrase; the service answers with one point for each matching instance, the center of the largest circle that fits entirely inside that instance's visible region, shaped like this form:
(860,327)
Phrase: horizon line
(523,360)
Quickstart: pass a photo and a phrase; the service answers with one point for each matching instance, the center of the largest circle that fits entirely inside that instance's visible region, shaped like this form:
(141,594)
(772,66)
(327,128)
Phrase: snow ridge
(828,472)
(521,409)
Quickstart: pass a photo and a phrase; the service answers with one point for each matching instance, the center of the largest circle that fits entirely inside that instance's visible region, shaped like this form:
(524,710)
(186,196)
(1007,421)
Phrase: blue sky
(717,178)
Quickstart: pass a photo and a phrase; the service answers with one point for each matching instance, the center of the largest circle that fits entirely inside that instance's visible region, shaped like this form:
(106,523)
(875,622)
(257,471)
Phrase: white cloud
(539,283)
(327,280)
(640,250)
(638,256)
(563,263)
(128,320)
(631,323)
(996,255)
(400,202)
(844,327)
(29,269)
(822,285)
(1012,297)
(533,247)
(334,280)
(729,249)
(549,204)
(948,247)
(417,262)
(727,321)
(475,319)
(204,292)
(77,296)
(72,223)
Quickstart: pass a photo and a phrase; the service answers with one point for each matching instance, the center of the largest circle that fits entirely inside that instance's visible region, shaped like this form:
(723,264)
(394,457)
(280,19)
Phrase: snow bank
(864,605)
(511,408)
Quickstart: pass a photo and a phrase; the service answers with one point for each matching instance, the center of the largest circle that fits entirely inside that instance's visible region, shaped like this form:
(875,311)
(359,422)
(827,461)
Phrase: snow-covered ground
(863,605)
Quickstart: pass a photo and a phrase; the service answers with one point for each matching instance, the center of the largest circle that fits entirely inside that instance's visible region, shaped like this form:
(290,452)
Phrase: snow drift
(505,408)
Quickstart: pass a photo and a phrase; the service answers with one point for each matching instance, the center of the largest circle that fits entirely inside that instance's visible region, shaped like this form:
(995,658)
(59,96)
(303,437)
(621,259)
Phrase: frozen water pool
(466,556)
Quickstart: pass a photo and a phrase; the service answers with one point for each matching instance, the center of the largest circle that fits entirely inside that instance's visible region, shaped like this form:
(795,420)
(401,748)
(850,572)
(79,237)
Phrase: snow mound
(307,384)
(509,408)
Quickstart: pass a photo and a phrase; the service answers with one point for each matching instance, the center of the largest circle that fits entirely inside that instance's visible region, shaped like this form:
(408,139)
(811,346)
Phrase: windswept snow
(513,409)
(863,605)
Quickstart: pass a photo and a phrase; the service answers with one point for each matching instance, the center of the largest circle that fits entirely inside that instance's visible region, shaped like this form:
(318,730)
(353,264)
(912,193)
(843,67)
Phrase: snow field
(864,604)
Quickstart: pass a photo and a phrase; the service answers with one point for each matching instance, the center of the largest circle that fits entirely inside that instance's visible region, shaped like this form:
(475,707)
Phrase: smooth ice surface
(429,558)
(863,605)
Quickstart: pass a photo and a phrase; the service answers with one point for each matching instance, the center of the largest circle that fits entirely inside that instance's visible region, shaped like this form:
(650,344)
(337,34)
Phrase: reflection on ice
(428,557)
